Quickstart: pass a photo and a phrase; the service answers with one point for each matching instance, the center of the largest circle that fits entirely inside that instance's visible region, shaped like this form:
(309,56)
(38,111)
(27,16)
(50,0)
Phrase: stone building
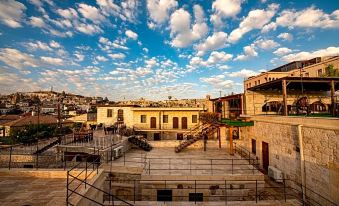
(155,123)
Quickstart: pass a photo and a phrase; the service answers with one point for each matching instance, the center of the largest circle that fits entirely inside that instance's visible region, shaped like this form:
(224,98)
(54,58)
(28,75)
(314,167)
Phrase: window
(254,146)
(120,115)
(320,72)
(255,83)
(109,113)
(143,119)
(194,118)
(165,118)
(307,74)
(258,81)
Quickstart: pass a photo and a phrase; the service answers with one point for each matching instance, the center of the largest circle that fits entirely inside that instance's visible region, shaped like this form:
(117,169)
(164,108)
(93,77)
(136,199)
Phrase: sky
(128,49)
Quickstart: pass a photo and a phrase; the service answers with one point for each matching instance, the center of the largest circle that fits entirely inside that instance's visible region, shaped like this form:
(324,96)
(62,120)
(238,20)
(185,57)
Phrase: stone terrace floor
(163,160)
(32,191)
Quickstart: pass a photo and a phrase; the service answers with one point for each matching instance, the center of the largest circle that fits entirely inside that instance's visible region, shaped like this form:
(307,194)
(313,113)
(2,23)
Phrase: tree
(330,71)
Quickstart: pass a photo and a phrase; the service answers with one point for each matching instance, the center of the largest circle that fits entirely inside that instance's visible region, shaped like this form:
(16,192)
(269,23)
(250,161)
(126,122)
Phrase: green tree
(330,71)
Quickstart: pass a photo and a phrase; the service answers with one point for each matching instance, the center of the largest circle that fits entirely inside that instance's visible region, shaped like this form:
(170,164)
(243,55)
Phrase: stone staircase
(143,144)
(195,135)
(50,145)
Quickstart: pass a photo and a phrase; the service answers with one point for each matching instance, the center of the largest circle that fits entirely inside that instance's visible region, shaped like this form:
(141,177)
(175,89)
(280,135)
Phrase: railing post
(256,191)
(195,191)
(10,158)
(190,166)
(134,192)
(86,172)
(124,158)
(232,166)
(37,160)
(169,165)
(211,167)
(226,192)
(67,187)
(149,166)
(284,189)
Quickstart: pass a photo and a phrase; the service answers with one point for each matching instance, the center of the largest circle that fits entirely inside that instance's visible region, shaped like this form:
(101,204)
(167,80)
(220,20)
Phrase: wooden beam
(284,96)
(332,98)
(219,138)
(231,140)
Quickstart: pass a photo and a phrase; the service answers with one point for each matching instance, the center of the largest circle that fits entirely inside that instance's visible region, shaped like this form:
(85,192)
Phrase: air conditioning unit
(275,174)
(118,152)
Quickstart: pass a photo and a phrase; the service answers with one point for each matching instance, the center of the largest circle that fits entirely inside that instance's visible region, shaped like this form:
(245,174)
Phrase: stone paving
(32,191)
(163,160)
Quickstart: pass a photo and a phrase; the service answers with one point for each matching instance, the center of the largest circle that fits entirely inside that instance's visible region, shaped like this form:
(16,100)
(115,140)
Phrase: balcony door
(175,123)
(184,122)
(153,122)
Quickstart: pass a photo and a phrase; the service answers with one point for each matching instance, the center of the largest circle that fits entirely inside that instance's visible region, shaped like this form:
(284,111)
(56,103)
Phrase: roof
(229,97)
(8,118)
(43,119)
(295,83)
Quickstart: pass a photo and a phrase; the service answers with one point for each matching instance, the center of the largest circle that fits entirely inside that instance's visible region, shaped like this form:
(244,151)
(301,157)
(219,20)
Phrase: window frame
(163,118)
(196,118)
(145,118)
(109,113)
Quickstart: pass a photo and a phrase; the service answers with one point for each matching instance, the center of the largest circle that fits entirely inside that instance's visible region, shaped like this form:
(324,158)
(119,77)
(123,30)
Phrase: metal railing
(75,182)
(212,190)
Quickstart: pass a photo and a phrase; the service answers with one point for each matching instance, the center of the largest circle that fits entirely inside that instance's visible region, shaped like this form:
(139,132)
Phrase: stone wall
(320,147)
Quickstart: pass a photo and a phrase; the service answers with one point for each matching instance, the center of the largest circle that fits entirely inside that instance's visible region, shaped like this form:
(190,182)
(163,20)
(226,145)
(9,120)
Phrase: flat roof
(168,109)
(296,83)
(229,97)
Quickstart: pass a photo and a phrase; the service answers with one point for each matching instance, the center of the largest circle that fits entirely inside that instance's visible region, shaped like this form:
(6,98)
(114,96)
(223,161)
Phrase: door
(153,122)
(184,122)
(175,122)
(156,136)
(164,195)
(180,136)
(265,156)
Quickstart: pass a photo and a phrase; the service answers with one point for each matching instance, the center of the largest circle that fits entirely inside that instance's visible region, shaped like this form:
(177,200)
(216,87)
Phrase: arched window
(318,106)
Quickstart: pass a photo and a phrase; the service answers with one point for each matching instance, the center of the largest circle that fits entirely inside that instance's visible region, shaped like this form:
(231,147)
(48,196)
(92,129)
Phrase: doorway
(175,123)
(164,195)
(265,156)
(156,136)
(184,122)
(153,122)
(180,136)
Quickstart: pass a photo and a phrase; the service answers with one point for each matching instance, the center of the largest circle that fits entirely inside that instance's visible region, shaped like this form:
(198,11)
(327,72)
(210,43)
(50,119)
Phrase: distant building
(153,122)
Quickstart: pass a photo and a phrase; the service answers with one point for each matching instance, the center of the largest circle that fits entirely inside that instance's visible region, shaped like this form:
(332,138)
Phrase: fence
(209,190)
(75,183)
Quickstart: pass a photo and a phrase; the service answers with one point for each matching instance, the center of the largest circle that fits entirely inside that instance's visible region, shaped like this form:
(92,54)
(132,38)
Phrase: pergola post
(284,96)
(231,140)
(218,134)
(332,98)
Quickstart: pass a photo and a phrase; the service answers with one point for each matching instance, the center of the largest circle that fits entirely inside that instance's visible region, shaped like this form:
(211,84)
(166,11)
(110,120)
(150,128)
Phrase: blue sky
(155,48)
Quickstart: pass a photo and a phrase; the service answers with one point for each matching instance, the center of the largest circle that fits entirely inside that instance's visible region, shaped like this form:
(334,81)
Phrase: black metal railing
(213,190)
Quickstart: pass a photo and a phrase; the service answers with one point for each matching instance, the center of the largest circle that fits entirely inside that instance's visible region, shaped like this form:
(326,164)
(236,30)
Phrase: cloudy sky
(156,48)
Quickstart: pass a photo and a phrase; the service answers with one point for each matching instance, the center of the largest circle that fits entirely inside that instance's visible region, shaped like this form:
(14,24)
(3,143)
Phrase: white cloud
(266,44)
(107,44)
(159,10)
(249,51)
(109,7)
(117,56)
(224,67)
(131,34)
(286,36)
(218,82)
(330,51)
(79,57)
(68,13)
(214,58)
(17,59)
(217,41)
(282,51)
(101,58)
(37,22)
(54,44)
(255,19)
(145,49)
(11,13)
(245,73)
(308,18)
(52,60)
(91,13)
(180,24)
(38,45)
(269,27)
(223,9)
(88,28)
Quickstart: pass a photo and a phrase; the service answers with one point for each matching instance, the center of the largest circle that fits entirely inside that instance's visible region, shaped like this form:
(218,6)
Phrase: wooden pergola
(304,84)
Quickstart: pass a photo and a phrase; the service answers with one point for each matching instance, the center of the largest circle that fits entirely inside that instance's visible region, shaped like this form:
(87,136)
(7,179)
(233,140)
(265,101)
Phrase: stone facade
(320,148)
